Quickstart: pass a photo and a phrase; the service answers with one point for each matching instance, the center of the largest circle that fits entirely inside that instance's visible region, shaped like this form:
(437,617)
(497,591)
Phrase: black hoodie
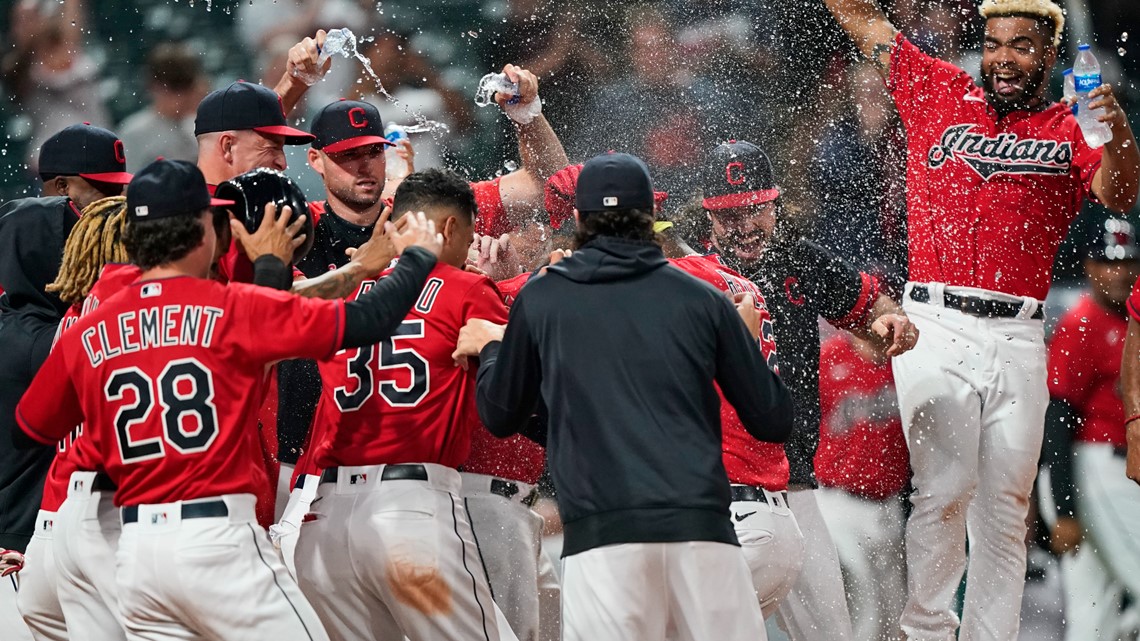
(624,350)
(32,234)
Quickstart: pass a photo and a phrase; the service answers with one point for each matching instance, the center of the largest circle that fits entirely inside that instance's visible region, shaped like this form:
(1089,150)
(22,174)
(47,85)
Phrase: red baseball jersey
(1084,369)
(989,200)
(68,458)
(862,448)
(405,400)
(516,458)
(747,460)
(168,376)
(1133,303)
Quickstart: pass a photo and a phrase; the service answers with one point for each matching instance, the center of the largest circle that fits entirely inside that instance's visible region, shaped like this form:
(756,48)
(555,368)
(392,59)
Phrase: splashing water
(343,42)
(1124,37)
(510,165)
(1121,52)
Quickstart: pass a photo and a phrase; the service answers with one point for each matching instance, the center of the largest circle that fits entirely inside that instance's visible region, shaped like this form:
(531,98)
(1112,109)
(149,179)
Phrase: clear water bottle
(493,83)
(1086,77)
(1070,88)
(337,42)
(394,164)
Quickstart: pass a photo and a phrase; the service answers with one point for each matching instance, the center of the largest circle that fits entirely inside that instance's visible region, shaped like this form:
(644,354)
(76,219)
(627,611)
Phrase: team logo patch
(150,290)
(355,479)
(1002,154)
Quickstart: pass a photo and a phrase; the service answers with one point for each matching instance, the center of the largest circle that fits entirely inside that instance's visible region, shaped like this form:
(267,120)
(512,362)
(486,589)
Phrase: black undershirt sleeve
(376,315)
(1061,420)
(833,283)
(508,383)
(270,271)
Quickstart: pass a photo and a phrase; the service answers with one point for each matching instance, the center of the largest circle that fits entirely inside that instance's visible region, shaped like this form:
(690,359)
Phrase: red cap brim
(220,202)
(292,136)
(743,199)
(113,177)
(353,143)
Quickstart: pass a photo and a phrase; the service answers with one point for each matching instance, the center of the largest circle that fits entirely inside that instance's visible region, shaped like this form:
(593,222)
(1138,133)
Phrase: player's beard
(1025,99)
(357,202)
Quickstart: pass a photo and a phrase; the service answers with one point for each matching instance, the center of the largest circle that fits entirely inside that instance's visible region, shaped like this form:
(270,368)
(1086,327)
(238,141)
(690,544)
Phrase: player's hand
(746,307)
(414,230)
(11,562)
(473,337)
(528,86)
(497,257)
(375,255)
(396,175)
(303,57)
(558,194)
(556,256)
(275,236)
(1103,96)
(1066,535)
(899,333)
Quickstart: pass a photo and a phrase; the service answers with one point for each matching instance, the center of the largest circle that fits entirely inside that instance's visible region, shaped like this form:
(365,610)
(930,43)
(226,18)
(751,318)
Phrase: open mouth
(1008,83)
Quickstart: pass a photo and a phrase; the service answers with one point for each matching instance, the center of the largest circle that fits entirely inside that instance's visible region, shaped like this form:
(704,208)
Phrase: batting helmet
(254,189)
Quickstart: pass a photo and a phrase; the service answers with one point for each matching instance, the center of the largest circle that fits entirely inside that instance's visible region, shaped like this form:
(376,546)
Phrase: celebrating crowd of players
(194,355)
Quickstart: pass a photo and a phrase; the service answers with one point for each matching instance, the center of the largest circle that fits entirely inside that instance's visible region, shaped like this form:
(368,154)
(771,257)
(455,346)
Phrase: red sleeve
(1072,367)
(492,217)
(511,287)
(919,82)
(1134,302)
(281,325)
(316,209)
(50,409)
(1086,162)
(484,301)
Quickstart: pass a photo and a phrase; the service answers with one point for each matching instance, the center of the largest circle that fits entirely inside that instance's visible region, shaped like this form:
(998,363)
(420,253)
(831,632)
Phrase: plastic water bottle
(1086,77)
(394,164)
(337,42)
(1070,88)
(493,83)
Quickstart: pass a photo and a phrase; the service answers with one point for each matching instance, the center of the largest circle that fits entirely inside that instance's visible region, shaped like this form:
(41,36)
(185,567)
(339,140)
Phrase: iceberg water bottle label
(1086,83)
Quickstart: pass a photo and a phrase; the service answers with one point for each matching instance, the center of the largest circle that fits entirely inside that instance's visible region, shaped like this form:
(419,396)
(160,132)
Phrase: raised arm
(540,151)
(868,26)
(1118,178)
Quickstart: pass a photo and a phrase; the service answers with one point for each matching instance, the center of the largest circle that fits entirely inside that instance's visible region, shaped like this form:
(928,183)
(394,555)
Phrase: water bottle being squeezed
(337,42)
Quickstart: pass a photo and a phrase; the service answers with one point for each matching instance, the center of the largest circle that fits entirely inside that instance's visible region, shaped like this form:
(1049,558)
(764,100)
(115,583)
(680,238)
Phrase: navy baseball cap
(1114,240)
(348,124)
(613,181)
(246,105)
(738,174)
(86,151)
(167,188)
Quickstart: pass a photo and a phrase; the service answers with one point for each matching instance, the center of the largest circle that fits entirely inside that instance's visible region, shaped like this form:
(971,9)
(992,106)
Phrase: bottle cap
(1067,72)
(1083,47)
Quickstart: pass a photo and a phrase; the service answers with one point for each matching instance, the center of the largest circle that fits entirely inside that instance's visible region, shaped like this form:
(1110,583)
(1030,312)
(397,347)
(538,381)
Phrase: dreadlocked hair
(97,239)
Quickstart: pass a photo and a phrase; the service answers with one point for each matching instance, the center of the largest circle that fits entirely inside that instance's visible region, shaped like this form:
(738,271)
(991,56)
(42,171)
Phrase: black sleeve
(1061,420)
(374,316)
(758,395)
(537,427)
(842,293)
(270,271)
(508,384)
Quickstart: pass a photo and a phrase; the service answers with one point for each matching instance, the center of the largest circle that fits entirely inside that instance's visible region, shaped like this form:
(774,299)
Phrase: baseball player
(1096,509)
(752,233)
(995,174)
(862,469)
(78,165)
(176,439)
(627,372)
(390,550)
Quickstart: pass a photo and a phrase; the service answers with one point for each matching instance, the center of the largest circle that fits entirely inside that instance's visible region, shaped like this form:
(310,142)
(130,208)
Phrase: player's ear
(226,143)
(317,162)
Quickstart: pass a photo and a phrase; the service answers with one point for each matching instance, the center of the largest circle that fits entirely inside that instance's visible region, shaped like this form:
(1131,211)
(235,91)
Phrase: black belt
(404,472)
(748,493)
(973,305)
(508,490)
(203,510)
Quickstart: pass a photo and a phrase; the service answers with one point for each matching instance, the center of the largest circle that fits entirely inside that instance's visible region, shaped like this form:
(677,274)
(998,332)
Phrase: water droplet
(1121,52)
(511,165)
(1124,37)
(473,33)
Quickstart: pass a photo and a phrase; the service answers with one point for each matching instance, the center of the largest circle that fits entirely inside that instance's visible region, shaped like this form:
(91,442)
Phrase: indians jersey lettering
(747,460)
(167,377)
(405,400)
(989,199)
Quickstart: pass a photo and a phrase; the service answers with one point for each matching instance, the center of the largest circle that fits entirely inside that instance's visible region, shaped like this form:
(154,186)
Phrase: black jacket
(32,234)
(624,350)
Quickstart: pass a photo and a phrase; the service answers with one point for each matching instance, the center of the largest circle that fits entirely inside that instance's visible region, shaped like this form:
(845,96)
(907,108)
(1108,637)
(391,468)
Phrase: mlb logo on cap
(141,211)
(613,181)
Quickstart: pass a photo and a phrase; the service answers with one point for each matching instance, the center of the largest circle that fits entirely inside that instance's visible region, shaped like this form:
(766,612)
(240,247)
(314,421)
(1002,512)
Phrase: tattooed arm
(367,262)
(868,26)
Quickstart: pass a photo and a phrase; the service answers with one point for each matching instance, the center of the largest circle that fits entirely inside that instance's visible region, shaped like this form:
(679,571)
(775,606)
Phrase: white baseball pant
(284,490)
(972,395)
(1107,564)
(509,538)
(869,538)
(37,598)
(391,558)
(212,577)
(15,628)
(686,591)
(815,609)
(549,597)
(86,537)
(772,544)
